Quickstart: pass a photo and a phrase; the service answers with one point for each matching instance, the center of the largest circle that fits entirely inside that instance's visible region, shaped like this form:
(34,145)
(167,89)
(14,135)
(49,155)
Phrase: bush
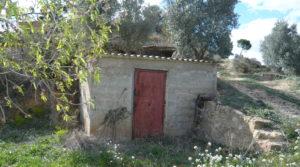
(245,65)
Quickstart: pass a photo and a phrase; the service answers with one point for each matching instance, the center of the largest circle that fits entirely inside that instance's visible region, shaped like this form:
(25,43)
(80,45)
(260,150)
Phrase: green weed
(264,113)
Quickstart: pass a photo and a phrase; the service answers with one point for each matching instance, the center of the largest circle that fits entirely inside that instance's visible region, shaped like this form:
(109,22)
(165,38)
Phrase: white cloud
(290,8)
(293,16)
(255,32)
(278,5)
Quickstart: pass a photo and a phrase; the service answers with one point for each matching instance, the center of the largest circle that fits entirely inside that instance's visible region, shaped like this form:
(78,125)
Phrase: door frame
(133,98)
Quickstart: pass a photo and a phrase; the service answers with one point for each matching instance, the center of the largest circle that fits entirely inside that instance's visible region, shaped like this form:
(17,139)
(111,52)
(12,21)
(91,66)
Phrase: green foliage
(198,27)
(38,111)
(136,24)
(28,129)
(20,120)
(51,51)
(245,65)
(290,129)
(281,48)
(224,73)
(244,44)
(61,132)
(109,8)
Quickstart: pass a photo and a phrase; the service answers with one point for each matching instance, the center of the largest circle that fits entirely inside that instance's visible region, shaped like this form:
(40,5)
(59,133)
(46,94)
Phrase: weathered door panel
(149,100)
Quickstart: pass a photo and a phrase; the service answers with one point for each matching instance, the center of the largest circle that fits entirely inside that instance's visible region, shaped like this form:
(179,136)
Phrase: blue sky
(247,14)
(257,18)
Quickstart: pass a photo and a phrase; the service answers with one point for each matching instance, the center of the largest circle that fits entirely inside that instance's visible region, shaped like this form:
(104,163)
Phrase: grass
(259,76)
(44,145)
(33,128)
(151,152)
(251,81)
(234,98)
(36,142)
(256,76)
(293,79)
(273,92)
(297,86)
(164,151)
(50,150)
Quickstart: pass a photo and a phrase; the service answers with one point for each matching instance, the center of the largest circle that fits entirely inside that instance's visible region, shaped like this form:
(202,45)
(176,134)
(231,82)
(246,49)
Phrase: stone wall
(185,80)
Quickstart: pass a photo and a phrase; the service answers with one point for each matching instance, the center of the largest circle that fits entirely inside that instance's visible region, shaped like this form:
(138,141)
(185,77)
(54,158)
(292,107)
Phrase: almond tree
(51,48)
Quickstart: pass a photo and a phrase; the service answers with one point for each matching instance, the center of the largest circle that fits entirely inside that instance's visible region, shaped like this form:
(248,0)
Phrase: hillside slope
(252,93)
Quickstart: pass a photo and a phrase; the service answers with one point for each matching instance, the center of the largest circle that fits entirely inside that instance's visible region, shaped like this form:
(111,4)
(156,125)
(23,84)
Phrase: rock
(274,135)
(268,145)
(258,123)
(230,127)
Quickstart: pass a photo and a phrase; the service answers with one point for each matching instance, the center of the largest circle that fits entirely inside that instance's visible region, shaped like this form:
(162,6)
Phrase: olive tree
(137,23)
(200,26)
(281,48)
(51,48)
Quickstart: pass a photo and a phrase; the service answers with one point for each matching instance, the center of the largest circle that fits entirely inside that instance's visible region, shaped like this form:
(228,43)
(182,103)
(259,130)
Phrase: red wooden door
(149,100)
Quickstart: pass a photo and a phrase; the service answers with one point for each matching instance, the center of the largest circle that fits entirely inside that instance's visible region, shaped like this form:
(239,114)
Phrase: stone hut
(141,96)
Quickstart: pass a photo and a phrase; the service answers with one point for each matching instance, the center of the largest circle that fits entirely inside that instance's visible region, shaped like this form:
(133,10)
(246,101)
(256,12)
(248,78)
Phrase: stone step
(275,136)
(267,145)
(260,123)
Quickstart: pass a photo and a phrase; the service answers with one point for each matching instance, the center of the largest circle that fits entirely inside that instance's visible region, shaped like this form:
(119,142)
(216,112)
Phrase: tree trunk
(199,54)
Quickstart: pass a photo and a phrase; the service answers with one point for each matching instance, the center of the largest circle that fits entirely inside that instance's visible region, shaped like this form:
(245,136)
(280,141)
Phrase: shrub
(245,65)
(20,120)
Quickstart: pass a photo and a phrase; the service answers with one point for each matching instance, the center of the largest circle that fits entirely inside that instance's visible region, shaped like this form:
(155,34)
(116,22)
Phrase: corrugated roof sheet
(152,57)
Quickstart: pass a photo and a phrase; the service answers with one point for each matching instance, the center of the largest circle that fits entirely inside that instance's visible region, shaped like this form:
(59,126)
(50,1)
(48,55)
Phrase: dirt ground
(285,107)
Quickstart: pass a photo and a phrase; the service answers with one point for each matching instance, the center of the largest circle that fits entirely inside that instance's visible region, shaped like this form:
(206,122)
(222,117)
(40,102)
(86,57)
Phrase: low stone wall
(230,127)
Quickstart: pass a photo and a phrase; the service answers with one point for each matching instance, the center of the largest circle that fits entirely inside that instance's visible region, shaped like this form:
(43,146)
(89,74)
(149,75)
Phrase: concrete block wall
(185,80)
